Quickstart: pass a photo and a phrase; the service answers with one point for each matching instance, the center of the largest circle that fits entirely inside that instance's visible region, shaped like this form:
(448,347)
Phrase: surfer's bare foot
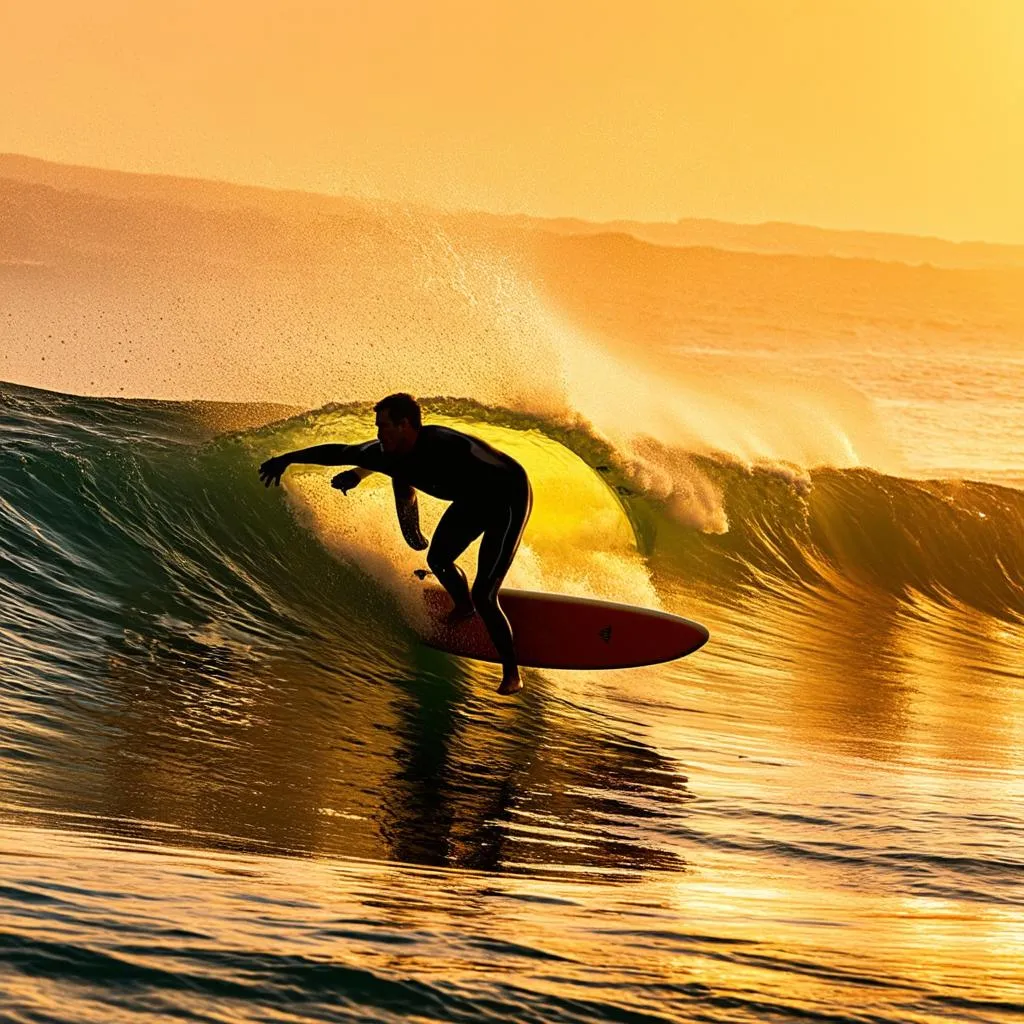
(459,614)
(510,683)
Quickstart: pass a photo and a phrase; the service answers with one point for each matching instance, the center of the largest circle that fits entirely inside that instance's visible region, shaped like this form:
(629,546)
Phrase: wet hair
(401,407)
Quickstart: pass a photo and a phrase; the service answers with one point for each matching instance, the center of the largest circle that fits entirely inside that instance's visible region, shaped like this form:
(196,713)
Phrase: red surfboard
(558,631)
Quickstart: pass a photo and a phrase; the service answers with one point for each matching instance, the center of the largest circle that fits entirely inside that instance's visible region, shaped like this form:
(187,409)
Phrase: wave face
(115,506)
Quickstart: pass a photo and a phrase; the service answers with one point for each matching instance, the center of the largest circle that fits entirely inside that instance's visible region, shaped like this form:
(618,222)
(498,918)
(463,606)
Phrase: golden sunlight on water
(739,928)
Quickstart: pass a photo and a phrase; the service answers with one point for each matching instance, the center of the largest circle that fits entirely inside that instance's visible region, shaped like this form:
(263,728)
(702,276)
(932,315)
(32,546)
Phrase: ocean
(236,786)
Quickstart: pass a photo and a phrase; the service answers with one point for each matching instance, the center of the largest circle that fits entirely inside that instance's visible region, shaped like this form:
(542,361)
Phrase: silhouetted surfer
(489,491)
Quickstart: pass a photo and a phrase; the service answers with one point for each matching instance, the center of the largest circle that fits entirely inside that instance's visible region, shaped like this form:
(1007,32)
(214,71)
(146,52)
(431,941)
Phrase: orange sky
(903,115)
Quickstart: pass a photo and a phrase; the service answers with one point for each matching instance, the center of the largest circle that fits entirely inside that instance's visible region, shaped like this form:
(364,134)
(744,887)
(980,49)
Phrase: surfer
(489,494)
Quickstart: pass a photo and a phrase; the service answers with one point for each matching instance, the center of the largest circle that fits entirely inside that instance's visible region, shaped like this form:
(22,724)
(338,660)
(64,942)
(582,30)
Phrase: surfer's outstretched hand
(271,470)
(344,482)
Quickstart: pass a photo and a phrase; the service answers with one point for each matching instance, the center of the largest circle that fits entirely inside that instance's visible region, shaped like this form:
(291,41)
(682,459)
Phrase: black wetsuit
(490,495)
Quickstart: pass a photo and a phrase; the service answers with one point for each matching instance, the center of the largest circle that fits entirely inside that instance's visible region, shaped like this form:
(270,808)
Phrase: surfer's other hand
(418,542)
(271,470)
(344,482)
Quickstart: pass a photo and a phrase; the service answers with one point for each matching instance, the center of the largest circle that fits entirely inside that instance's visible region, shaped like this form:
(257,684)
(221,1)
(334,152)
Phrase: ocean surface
(235,785)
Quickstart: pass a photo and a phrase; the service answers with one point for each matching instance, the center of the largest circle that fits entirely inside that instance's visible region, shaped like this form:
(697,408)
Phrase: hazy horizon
(874,117)
(441,207)
(26,167)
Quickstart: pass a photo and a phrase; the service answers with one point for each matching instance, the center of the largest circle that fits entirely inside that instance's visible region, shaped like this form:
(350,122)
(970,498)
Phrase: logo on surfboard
(605,634)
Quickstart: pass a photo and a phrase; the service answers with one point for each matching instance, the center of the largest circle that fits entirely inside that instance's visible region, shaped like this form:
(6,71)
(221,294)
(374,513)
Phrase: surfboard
(559,631)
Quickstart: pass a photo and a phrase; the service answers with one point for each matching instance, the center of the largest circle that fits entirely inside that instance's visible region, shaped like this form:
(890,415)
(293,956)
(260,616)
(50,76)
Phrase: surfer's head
(398,422)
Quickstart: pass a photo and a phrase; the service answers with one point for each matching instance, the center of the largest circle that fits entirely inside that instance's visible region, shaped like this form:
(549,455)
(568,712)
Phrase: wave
(116,515)
(955,543)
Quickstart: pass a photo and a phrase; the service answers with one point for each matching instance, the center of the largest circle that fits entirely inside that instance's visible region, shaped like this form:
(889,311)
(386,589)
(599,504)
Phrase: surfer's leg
(499,546)
(458,528)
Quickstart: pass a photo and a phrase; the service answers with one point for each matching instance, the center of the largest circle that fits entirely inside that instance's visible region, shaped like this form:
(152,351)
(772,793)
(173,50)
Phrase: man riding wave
(489,493)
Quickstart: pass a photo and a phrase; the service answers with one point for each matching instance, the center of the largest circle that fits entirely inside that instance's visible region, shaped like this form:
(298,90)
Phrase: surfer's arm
(344,482)
(409,516)
(318,455)
(325,455)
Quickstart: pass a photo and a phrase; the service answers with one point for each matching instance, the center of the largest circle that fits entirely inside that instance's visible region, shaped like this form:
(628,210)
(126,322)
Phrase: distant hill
(769,238)
(195,192)
(794,239)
